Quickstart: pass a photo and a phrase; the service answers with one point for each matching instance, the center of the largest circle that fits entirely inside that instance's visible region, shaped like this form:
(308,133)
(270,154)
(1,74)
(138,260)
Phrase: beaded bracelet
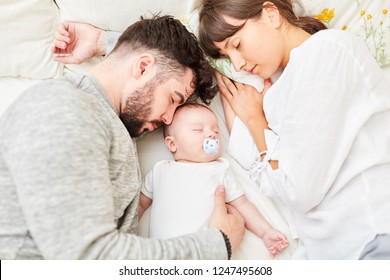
(228,245)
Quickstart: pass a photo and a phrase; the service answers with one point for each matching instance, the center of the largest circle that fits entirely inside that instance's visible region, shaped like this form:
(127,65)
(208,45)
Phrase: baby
(183,190)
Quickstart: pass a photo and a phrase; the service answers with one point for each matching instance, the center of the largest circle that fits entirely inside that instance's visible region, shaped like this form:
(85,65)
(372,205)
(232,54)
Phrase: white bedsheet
(152,149)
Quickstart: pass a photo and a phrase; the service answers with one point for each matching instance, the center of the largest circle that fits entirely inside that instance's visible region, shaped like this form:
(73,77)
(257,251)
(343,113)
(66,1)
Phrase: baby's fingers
(67,59)
(273,252)
(63,29)
(61,37)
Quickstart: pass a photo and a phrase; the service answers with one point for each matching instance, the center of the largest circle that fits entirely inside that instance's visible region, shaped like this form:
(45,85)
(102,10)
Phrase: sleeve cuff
(112,39)
(228,245)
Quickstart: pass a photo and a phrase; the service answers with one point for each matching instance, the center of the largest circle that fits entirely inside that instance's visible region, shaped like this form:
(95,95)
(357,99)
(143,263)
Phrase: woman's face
(257,47)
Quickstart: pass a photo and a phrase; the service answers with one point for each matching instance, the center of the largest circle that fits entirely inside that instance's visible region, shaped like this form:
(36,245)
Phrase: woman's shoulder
(329,44)
(332,37)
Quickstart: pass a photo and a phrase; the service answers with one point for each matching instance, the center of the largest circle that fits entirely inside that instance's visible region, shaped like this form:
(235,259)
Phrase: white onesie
(183,195)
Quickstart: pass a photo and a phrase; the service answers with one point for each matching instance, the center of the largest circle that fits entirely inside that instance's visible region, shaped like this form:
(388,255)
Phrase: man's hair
(175,50)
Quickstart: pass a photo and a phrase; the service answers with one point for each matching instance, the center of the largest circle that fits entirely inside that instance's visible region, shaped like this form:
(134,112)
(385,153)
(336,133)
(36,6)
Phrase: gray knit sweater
(70,180)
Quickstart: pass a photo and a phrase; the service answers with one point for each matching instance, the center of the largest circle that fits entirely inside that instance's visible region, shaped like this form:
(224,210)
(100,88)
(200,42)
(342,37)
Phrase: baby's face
(190,127)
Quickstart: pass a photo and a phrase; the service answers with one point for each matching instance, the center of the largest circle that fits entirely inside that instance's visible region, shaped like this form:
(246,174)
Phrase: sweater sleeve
(56,151)
(112,39)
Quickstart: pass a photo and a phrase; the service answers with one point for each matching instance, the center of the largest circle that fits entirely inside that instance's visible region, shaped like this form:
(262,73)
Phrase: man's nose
(168,116)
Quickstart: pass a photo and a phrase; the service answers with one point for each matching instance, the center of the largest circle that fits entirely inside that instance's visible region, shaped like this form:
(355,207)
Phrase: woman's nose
(237,61)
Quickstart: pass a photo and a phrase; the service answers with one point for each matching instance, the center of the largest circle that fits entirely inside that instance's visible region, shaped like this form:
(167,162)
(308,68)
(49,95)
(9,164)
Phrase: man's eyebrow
(181,97)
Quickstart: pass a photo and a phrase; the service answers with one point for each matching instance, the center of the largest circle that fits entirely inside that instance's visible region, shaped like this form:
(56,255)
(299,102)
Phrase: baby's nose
(212,135)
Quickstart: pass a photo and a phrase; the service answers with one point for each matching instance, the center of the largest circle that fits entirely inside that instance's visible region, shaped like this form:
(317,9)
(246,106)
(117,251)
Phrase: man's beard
(138,108)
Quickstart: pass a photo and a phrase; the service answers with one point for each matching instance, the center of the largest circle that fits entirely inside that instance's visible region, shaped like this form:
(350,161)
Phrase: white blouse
(330,110)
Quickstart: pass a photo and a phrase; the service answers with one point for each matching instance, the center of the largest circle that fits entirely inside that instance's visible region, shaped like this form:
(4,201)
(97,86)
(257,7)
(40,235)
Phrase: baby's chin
(202,159)
(209,158)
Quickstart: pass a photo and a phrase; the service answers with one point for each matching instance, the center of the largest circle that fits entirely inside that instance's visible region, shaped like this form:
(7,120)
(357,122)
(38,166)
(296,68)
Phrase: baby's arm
(274,240)
(144,203)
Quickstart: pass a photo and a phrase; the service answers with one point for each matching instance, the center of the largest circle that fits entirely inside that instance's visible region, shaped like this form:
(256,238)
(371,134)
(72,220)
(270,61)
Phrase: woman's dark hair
(213,28)
(175,49)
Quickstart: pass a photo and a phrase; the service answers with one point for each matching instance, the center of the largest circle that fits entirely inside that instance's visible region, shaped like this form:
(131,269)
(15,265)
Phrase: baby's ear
(170,142)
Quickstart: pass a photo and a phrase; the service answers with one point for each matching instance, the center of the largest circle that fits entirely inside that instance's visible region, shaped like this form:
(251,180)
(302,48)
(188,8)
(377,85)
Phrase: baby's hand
(275,241)
(76,42)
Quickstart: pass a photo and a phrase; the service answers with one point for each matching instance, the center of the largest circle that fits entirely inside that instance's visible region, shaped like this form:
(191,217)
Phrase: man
(69,173)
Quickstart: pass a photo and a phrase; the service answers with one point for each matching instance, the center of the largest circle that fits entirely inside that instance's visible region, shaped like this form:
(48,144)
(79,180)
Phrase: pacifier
(210,146)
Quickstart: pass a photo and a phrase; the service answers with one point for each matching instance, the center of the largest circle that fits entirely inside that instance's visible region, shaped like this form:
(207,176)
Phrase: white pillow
(367,18)
(27,29)
(117,15)
(11,88)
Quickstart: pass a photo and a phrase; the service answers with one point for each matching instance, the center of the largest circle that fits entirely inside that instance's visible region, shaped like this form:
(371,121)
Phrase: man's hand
(77,42)
(227,218)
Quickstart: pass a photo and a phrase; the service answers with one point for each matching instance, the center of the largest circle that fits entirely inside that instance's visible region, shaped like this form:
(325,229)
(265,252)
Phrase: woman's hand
(245,100)
(77,42)
(247,104)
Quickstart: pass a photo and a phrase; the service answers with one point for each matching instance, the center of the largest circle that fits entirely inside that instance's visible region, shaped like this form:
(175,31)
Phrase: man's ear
(170,142)
(145,65)
(273,14)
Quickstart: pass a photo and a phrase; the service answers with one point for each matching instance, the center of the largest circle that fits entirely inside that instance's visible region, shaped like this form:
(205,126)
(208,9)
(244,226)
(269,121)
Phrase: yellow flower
(362,12)
(344,27)
(326,15)
(369,16)
(381,22)
(384,11)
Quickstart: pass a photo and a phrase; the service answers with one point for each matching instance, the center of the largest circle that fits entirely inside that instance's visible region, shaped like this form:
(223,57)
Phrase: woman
(329,111)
